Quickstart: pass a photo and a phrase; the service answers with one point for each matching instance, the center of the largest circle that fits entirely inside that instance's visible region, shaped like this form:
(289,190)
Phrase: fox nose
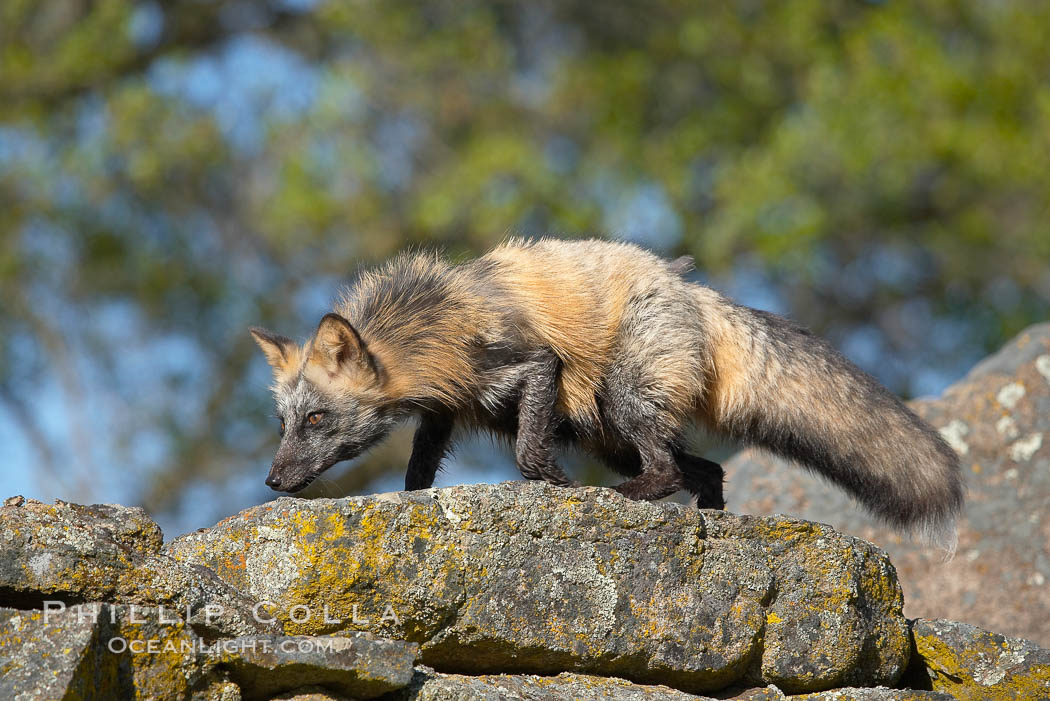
(273,481)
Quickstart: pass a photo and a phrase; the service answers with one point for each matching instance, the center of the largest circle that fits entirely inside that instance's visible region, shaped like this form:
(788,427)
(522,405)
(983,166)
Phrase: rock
(69,551)
(998,420)
(434,686)
(96,651)
(358,667)
(880,693)
(213,608)
(309,693)
(768,693)
(160,656)
(216,686)
(75,554)
(53,657)
(529,578)
(969,663)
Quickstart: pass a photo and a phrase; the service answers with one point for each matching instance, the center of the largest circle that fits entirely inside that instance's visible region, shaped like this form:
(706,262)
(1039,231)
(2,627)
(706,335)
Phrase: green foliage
(201,167)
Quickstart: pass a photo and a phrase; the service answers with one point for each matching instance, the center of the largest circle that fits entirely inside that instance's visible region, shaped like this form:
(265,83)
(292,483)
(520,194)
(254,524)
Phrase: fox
(603,346)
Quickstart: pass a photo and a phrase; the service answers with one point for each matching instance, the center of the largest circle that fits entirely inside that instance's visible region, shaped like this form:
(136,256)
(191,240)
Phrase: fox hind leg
(702,478)
(650,390)
(660,477)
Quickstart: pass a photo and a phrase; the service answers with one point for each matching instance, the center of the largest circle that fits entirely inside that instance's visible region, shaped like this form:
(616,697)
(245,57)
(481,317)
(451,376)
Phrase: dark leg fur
(660,476)
(636,418)
(534,449)
(429,446)
(625,459)
(703,479)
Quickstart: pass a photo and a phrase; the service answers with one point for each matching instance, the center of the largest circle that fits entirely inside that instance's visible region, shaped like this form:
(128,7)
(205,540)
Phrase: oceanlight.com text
(154,646)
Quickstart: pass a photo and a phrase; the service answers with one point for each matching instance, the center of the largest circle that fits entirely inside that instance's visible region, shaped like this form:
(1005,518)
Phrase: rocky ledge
(511,591)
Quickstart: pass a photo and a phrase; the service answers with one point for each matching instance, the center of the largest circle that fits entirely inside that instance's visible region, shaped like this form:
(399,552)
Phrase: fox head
(329,401)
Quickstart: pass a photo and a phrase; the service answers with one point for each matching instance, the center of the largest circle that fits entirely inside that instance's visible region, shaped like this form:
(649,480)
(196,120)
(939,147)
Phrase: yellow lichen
(952,672)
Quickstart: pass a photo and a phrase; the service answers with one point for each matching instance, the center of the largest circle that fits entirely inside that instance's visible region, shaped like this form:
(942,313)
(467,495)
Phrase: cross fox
(601,345)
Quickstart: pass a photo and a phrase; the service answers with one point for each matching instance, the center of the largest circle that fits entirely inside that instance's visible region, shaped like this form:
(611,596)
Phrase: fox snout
(274,479)
(289,473)
(289,478)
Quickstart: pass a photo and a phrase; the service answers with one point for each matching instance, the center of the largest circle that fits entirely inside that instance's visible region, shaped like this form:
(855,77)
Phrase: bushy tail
(778,386)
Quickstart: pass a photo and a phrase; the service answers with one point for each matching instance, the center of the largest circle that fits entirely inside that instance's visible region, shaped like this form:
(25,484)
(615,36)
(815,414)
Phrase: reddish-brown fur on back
(564,309)
(424,319)
(575,296)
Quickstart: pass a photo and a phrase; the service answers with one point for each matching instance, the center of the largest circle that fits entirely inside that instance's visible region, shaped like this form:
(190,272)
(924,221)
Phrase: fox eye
(314,418)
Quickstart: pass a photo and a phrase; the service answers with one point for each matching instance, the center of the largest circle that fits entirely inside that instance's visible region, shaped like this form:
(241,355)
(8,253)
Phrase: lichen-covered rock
(77,554)
(525,577)
(829,616)
(435,686)
(768,693)
(160,657)
(216,685)
(880,693)
(972,664)
(56,656)
(213,608)
(359,667)
(998,419)
(70,551)
(310,693)
(98,651)
(877,693)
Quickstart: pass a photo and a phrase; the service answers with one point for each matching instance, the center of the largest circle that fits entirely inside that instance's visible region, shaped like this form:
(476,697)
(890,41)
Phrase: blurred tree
(172,172)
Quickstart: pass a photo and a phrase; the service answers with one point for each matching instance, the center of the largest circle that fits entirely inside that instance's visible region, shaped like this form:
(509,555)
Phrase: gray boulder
(359,667)
(973,664)
(76,554)
(98,651)
(435,686)
(880,693)
(310,693)
(998,420)
(52,657)
(529,578)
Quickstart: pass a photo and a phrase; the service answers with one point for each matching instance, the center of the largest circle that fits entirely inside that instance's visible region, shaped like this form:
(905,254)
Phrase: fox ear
(279,350)
(337,346)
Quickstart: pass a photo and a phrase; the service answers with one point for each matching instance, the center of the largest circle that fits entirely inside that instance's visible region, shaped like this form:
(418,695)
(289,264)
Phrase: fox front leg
(429,446)
(534,448)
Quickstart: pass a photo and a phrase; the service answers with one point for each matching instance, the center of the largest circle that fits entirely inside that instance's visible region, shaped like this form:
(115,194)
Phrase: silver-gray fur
(347,428)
